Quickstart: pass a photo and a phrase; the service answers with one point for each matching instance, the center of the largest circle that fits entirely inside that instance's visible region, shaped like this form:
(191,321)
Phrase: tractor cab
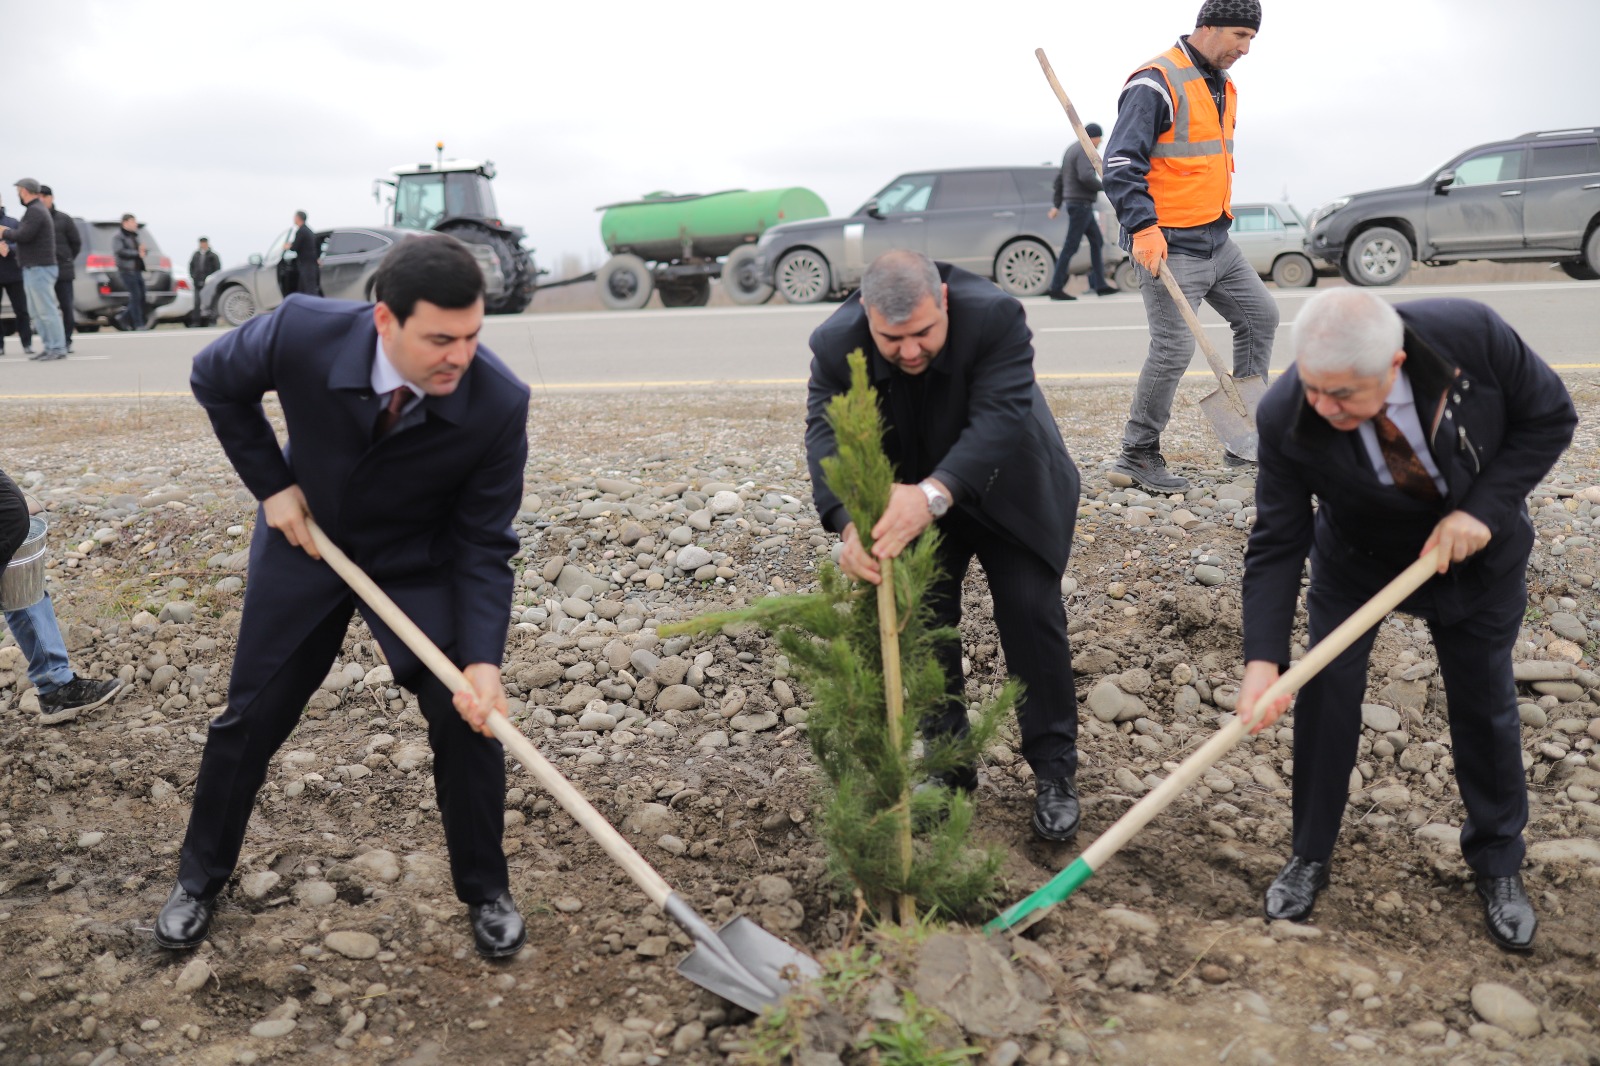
(456,196)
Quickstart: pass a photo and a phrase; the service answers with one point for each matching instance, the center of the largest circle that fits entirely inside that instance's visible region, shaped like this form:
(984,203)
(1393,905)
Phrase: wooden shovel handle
(572,801)
(1220,369)
(1370,614)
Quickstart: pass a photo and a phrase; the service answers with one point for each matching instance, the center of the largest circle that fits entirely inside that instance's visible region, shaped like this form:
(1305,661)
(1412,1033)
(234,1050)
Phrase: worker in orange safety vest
(1169,174)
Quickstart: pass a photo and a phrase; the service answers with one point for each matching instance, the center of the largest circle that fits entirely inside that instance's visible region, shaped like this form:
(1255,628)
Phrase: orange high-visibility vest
(1191,164)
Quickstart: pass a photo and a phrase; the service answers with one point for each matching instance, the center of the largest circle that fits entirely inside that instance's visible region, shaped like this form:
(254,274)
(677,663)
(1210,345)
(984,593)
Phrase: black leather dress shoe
(1107,290)
(1055,809)
(1294,891)
(497,928)
(1507,912)
(184,920)
(1060,296)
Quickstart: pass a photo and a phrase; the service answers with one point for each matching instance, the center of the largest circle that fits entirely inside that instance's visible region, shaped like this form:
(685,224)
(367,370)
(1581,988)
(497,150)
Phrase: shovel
(1231,409)
(1112,840)
(741,962)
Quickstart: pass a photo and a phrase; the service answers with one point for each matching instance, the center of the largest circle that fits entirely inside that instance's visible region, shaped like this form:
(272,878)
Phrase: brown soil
(1161,957)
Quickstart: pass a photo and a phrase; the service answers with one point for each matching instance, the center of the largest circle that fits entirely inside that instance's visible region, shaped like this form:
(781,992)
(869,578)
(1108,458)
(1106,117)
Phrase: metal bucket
(23,583)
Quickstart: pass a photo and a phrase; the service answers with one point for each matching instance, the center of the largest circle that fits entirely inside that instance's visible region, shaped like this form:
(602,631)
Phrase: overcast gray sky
(224,118)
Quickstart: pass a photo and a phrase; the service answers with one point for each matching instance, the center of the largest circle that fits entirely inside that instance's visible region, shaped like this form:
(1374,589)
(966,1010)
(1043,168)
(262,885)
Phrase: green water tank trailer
(673,243)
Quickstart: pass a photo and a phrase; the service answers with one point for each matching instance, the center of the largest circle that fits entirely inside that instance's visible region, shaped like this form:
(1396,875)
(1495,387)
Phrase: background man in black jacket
(974,447)
(202,264)
(11,285)
(1416,426)
(69,242)
(130,252)
(1077,186)
(303,243)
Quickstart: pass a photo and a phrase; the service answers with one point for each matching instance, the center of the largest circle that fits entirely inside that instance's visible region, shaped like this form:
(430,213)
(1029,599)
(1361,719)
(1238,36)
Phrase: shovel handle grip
(572,801)
(1224,376)
(1368,615)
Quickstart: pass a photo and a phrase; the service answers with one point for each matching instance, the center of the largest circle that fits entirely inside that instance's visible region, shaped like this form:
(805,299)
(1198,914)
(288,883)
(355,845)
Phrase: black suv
(1534,198)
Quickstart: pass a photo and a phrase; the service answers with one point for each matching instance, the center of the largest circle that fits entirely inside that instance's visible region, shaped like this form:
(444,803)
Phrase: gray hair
(898,281)
(1347,330)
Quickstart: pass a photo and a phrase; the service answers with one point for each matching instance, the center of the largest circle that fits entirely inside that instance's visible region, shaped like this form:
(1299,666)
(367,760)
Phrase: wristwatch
(938,502)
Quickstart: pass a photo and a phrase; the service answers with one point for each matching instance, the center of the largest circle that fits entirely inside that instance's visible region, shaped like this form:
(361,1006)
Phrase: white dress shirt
(385,379)
(1401,407)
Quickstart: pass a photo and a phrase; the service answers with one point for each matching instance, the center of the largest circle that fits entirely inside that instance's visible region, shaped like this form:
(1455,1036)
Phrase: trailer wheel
(624,283)
(803,276)
(685,292)
(741,276)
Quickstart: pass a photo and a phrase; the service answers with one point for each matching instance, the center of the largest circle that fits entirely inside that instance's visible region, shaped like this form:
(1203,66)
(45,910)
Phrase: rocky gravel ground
(341,941)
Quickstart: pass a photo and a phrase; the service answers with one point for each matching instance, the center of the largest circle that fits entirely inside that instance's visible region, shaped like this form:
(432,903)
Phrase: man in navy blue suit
(407,442)
(1412,426)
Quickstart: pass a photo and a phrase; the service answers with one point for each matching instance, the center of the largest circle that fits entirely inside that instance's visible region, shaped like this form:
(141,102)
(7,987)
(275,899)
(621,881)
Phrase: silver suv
(1533,198)
(993,221)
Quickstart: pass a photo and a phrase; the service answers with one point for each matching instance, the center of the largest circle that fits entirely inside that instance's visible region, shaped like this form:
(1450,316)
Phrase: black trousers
(64,298)
(1485,729)
(468,769)
(17,296)
(1033,632)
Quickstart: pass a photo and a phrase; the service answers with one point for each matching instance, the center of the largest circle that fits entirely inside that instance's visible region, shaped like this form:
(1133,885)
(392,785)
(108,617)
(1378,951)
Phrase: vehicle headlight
(1327,209)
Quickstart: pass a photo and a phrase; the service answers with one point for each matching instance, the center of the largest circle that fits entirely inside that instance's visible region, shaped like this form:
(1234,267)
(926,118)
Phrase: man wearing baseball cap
(34,242)
(1169,174)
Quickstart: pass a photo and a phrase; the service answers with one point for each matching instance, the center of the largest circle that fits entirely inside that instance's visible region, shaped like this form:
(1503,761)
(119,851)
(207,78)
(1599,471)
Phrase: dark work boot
(1148,470)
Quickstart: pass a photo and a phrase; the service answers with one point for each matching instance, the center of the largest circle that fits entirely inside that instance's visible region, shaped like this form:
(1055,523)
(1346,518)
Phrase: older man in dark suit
(408,444)
(1422,425)
(975,448)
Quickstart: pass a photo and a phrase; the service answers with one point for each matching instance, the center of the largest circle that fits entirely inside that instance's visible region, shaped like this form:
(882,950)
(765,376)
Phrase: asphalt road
(1091,339)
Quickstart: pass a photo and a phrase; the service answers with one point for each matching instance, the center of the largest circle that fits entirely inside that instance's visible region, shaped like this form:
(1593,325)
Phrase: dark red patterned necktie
(1410,476)
(391,412)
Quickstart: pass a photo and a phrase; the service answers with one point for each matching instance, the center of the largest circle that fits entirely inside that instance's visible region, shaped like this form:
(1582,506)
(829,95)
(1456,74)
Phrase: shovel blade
(1236,428)
(774,964)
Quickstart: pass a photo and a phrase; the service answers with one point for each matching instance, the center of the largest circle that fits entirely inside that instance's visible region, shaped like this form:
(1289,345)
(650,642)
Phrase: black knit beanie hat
(1230,13)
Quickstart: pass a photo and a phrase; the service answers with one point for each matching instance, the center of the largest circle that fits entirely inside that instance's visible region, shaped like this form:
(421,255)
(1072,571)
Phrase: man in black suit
(1422,425)
(408,445)
(303,243)
(975,448)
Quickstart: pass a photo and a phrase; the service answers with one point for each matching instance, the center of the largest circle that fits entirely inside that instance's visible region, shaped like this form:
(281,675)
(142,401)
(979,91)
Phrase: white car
(179,309)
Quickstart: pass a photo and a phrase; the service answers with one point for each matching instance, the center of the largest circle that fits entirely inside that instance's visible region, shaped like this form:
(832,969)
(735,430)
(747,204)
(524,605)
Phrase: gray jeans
(1229,284)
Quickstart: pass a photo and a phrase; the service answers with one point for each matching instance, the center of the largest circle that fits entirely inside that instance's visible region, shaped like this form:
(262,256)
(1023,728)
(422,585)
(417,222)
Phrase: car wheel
(625,283)
(1591,252)
(1379,256)
(686,292)
(1023,268)
(1579,270)
(1127,276)
(1293,271)
(803,276)
(236,306)
(741,277)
